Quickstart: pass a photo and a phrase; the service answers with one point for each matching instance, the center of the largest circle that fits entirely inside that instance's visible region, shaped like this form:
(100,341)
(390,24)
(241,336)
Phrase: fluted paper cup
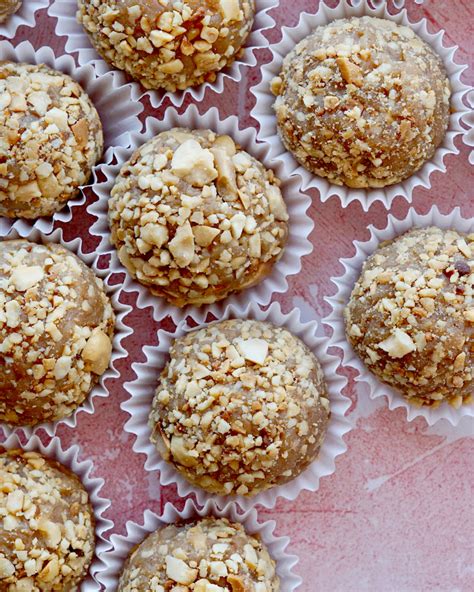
(345,285)
(143,388)
(264,113)
(112,98)
(300,225)
(121,330)
(69,457)
(122,545)
(78,41)
(469,121)
(26,16)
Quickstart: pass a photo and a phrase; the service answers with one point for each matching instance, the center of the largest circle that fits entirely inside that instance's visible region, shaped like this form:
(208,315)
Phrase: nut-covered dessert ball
(363,102)
(46,525)
(168,44)
(56,329)
(195,218)
(411,315)
(50,138)
(7,8)
(242,406)
(207,555)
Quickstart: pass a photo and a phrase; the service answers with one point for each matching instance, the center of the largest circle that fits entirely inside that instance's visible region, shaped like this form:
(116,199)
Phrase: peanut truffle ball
(207,555)
(50,138)
(46,525)
(56,329)
(363,102)
(168,44)
(7,8)
(411,315)
(242,406)
(195,218)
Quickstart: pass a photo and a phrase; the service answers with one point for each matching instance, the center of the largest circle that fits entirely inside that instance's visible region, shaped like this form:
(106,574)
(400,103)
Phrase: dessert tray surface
(397,514)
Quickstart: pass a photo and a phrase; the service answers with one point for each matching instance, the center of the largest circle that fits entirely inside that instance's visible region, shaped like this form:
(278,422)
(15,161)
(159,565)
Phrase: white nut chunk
(253,350)
(194,164)
(13,313)
(62,367)
(223,151)
(97,352)
(398,345)
(230,10)
(15,501)
(204,235)
(155,234)
(206,586)
(51,531)
(178,571)
(182,245)
(182,454)
(57,117)
(251,558)
(25,277)
(7,568)
(277,205)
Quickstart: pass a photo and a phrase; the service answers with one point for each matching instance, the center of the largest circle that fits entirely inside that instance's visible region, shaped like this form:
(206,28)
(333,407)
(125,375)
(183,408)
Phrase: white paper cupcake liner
(345,285)
(70,458)
(300,225)
(469,121)
(264,113)
(112,98)
(121,329)
(135,533)
(78,41)
(377,3)
(25,16)
(143,388)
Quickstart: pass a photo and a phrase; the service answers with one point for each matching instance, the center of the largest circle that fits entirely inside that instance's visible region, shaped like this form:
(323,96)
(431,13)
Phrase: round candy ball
(50,138)
(56,329)
(47,524)
(242,406)
(168,45)
(363,102)
(7,8)
(410,316)
(206,555)
(195,218)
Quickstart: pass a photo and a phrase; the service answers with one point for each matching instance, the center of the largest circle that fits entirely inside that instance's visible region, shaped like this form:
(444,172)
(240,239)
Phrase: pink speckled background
(398,514)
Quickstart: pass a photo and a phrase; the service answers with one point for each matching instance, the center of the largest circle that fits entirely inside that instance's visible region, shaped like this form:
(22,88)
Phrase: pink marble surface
(398,513)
